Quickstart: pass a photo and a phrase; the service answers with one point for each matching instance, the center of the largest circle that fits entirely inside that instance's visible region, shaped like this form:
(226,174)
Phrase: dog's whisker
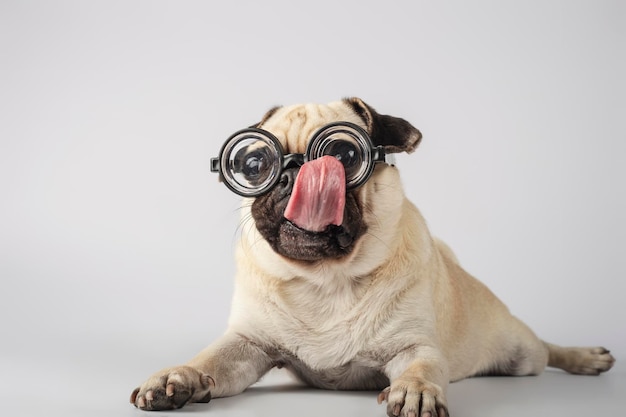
(367,207)
(380,240)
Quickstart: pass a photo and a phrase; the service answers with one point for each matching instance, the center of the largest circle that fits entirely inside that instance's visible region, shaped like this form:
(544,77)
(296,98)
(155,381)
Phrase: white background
(116,240)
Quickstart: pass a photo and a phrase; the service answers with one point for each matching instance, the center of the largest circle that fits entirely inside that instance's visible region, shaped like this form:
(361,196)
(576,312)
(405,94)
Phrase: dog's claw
(133,396)
(383,396)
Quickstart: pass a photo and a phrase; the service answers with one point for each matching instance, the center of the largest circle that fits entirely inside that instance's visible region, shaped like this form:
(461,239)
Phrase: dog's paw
(416,398)
(173,388)
(590,361)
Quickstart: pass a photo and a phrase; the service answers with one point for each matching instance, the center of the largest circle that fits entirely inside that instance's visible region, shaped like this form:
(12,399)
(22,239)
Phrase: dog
(339,281)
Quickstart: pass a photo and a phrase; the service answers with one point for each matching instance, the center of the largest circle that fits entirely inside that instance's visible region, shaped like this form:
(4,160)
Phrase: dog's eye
(253,165)
(347,153)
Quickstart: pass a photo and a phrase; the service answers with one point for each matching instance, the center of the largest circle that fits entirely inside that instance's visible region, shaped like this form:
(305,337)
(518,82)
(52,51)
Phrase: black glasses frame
(374,155)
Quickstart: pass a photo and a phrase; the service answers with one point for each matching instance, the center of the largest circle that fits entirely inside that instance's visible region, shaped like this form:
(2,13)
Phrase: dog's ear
(269,114)
(395,134)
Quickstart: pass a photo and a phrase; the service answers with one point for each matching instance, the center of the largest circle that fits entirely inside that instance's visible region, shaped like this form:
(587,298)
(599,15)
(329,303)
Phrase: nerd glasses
(252,160)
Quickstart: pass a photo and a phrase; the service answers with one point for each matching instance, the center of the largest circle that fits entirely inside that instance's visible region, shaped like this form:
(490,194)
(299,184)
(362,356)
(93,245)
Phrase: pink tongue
(318,196)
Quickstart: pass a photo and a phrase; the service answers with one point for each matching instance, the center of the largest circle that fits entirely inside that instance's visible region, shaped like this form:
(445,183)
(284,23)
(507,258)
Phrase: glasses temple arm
(215,165)
(378,154)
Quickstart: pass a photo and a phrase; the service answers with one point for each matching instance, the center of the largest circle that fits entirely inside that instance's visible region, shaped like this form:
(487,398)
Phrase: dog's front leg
(224,368)
(419,378)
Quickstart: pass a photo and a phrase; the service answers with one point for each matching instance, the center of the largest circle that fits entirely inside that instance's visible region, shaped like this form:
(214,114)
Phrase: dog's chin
(297,244)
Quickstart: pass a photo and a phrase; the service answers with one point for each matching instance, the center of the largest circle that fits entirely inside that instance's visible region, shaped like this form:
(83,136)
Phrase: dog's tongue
(318,196)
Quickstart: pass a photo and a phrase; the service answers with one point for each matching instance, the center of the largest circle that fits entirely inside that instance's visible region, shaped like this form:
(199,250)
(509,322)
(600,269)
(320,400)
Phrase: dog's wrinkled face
(294,126)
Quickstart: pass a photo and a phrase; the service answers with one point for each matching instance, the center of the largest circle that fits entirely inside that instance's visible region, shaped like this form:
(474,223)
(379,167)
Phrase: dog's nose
(287,179)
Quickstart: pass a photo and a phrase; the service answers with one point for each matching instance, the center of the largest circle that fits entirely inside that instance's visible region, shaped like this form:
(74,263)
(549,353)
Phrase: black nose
(287,179)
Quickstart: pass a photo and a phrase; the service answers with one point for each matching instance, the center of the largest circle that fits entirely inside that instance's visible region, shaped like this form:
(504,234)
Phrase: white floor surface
(100,385)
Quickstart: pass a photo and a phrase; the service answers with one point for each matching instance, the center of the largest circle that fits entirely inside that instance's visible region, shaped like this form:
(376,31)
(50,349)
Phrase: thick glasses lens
(350,145)
(250,162)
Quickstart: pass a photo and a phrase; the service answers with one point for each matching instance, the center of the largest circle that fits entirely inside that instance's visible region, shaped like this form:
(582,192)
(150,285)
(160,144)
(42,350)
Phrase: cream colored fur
(398,312)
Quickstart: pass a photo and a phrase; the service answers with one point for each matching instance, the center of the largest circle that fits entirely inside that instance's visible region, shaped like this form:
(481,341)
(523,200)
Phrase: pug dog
(339,281)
